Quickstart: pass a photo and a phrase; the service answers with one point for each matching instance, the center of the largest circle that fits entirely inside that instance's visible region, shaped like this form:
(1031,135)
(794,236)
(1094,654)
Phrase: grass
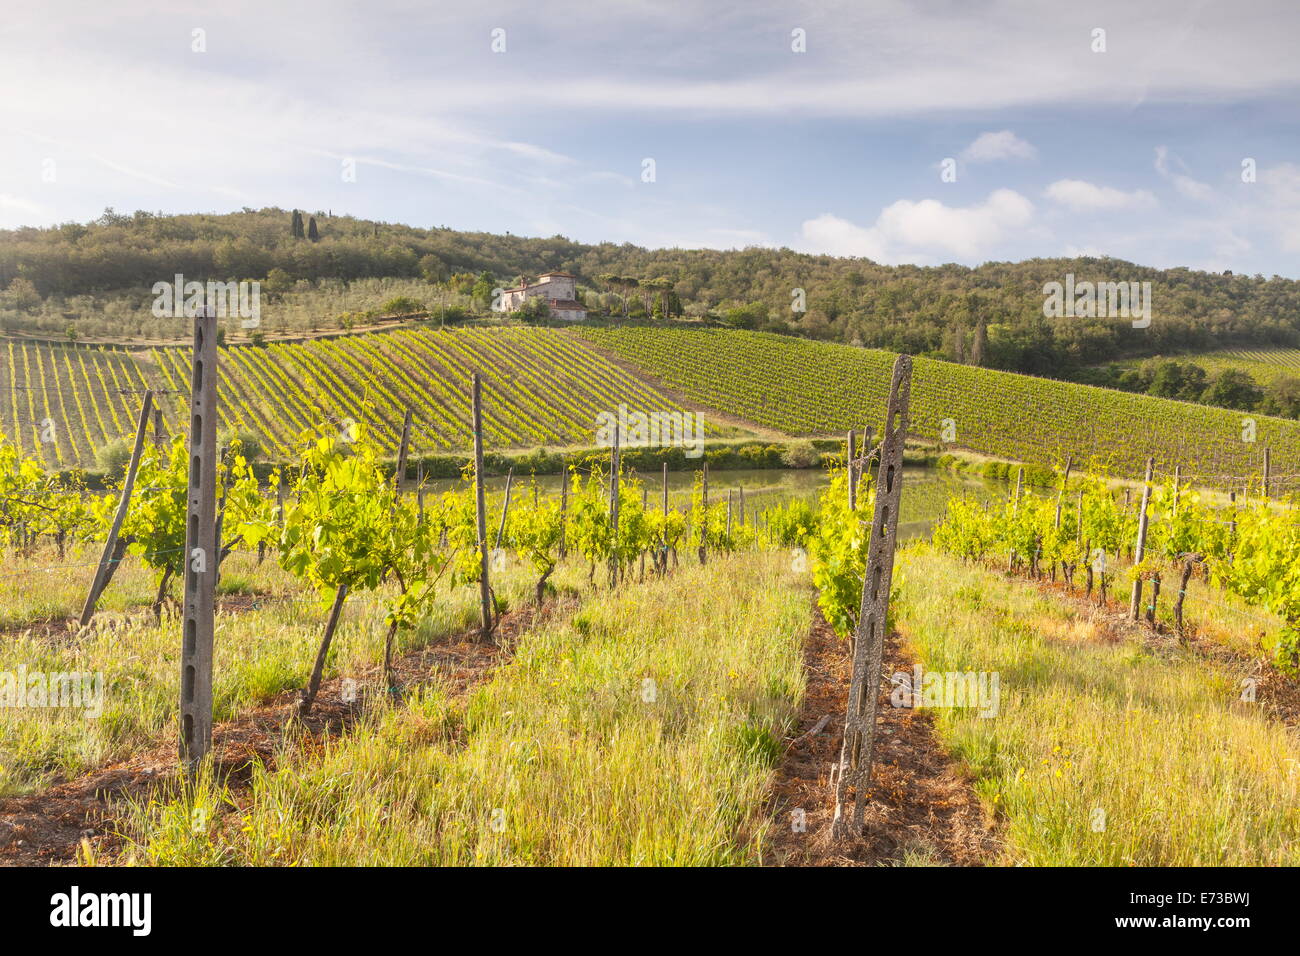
(641,730)
(260,652)
(1102,752)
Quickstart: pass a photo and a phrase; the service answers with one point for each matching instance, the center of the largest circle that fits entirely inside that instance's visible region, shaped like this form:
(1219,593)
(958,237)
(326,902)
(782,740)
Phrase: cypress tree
(312,232)
(981,344)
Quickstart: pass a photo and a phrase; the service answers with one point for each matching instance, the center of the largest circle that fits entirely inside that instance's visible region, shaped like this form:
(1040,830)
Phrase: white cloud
(1281,199)
(1083,196)
(1185,184)
(907,231)
(1004,144)
(22,205)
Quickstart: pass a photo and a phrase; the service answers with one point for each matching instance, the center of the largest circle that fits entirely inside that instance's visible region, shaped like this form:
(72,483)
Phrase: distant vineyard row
(541,387)
(806,387)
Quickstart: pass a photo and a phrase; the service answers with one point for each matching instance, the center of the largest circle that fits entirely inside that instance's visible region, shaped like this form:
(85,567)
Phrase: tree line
(990,315)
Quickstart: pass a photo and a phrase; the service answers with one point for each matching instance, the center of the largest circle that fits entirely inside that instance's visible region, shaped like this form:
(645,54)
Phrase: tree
(431,268)
(482,292)
(295,225)
(312,232)
(1233,388)
(1283,397)
(278,282)
(981,344)
(22,295)
(629,283)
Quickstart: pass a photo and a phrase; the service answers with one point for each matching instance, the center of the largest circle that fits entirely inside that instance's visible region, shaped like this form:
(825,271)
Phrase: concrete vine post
(201,543)
(1139,548)
(853,772)
(485,591)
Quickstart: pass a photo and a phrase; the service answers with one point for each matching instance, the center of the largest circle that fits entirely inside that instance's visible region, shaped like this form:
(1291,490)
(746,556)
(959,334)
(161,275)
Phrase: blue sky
(1134,152)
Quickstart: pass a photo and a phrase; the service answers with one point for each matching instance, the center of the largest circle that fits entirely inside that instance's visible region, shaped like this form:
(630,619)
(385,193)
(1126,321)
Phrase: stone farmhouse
(560,291)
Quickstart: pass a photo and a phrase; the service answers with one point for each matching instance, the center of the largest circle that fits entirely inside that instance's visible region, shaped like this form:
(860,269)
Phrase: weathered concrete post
(201,557)
(856,751)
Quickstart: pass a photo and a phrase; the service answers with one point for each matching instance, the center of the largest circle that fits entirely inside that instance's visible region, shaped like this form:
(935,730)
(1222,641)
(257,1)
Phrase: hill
(547,387)
(807,387)
(92,280)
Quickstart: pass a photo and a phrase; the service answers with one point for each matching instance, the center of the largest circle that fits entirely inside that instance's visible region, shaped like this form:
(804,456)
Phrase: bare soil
(921,803)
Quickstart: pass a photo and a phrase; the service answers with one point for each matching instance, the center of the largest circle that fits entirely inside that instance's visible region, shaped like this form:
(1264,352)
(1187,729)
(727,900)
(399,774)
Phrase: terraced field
(804,387)
(541,387)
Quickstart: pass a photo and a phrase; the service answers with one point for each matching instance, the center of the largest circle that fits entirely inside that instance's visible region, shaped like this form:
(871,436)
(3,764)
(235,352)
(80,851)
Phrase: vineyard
(1264,365)
(404,675)
(544,388)
(804,387)
(1246,550)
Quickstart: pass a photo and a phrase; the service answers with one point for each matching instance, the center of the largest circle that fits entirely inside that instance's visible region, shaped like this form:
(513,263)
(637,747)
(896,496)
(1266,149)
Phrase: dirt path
(922,806)
(46,829)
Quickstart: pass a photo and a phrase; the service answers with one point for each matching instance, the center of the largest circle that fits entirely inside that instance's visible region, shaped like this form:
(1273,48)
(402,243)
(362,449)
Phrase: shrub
(800,454)
(112,458)
(249,443)
(401,305)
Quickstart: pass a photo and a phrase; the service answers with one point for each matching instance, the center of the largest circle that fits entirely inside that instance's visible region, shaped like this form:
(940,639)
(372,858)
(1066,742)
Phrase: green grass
(565,758)
(260,653)
(1102,753)
(806,387)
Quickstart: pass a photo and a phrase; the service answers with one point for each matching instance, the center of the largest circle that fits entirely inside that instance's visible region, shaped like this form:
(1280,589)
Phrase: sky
(1163,133)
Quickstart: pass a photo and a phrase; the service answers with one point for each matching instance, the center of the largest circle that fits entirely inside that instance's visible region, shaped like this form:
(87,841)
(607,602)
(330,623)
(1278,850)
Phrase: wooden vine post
(853,773)
(663,558)
(852,469)
(613,509)
(1268,472)
(485,591)
(1139,548)
(645,502)
(399,474)
(564,507)
(201,543)
(704,512)
(112,554)
(505,507)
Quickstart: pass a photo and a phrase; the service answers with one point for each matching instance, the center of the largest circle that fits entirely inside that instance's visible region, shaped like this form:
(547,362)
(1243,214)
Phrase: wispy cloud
(1184,183)
(1004,144)
(1083,196)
